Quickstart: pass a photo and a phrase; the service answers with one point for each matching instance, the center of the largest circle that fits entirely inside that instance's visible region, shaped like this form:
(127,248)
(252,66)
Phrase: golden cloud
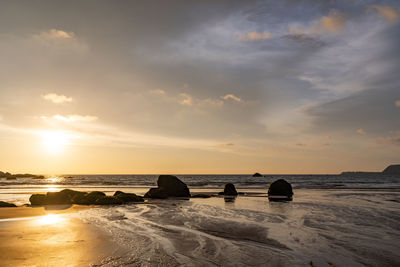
(387,13)
(254,36)
(57,99)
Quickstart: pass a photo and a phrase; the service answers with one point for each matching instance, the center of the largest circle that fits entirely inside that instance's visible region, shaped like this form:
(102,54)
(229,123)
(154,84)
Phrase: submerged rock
(280,190)
(6,204)
(128,197)
(168,186)
(229,190)
(201,196)
(257,175)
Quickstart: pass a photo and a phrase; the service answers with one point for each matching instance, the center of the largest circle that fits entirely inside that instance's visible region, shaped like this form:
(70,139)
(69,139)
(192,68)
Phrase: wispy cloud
(387,13)
(254,36)
(333,23)
(57,99)
(361,131)
(71,118)
(55,34)
(157,92)
(232,97)
(186,99)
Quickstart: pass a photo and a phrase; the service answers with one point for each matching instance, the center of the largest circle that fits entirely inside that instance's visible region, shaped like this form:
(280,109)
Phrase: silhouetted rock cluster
(168,186)
(257,175)
(68,196)
(10,176)
(6,204)
(280,190)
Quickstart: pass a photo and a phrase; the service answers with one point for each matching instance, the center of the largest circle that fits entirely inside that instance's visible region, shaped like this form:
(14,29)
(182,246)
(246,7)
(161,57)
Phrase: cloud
(390,140)
(361,131)
(75,118)
(333,23)
(186,99)
(387,13)
(157,92)
(58,99)
(397,103)
(254,36)
(233,97)
(55,34)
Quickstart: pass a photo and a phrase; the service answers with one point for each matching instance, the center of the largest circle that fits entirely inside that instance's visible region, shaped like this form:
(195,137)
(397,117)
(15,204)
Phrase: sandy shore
(39,237)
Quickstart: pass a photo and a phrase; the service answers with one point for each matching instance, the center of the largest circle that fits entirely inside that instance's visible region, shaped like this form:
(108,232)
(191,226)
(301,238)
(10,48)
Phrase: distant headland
(10,176)
(391,169)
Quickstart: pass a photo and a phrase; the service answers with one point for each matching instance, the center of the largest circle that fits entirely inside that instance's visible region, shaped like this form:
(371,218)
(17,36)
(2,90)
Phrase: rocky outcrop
(128,197)
(392,169)
(68,196)
(229,190)
(168,186)
(280,190)
(10,176)
(6,204)
(257,175)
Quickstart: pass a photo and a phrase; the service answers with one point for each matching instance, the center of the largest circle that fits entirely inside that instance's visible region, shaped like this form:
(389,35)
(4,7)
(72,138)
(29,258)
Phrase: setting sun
(54,141)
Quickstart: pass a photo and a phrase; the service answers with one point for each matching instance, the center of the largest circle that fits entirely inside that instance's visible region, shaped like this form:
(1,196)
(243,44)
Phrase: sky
(181,87)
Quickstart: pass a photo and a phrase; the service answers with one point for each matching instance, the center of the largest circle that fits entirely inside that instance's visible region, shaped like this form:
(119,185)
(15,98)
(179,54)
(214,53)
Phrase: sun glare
(54,141)
(49,219)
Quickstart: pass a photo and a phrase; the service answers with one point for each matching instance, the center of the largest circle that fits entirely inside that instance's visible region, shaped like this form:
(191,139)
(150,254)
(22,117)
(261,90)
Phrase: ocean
(333,220)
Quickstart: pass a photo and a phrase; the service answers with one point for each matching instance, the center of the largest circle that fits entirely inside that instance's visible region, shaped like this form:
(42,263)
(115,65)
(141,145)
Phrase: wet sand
(39,237)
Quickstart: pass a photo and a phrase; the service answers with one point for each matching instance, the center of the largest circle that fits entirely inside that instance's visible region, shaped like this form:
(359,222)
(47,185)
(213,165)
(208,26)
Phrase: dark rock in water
(128,197)
(230,190)
(168,186)
(392,169)
(173,186)
(11,178)
(6,204)
(38,199)
(280,190)
(108,200)
(156,193)
(257,175)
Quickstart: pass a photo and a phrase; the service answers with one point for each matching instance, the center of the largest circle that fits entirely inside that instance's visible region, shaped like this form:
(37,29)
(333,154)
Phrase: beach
(318,228)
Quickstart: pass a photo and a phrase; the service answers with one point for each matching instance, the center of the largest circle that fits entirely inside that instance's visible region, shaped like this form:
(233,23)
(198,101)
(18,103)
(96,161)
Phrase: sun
(54,141)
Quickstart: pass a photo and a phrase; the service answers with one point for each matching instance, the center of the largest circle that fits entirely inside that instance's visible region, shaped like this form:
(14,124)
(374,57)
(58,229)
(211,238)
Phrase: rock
(257,175)
(6,204)
(127,197)
(108,200)
(173,186)
(92,197)
(168,186)
(156,193)
(280,190)
(392,169)
(38,199)
(230,190)
(58,198)
(72,193)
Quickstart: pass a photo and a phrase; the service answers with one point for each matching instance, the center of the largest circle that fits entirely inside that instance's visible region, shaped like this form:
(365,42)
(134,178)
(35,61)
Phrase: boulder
(38,199)
(168,186)
(173,186)
(87,198)
(156,193)
(108,200)
(128,197)
(280,190)
(257,175)
(392,169)
(58,198)
(6,204)
(230,190)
